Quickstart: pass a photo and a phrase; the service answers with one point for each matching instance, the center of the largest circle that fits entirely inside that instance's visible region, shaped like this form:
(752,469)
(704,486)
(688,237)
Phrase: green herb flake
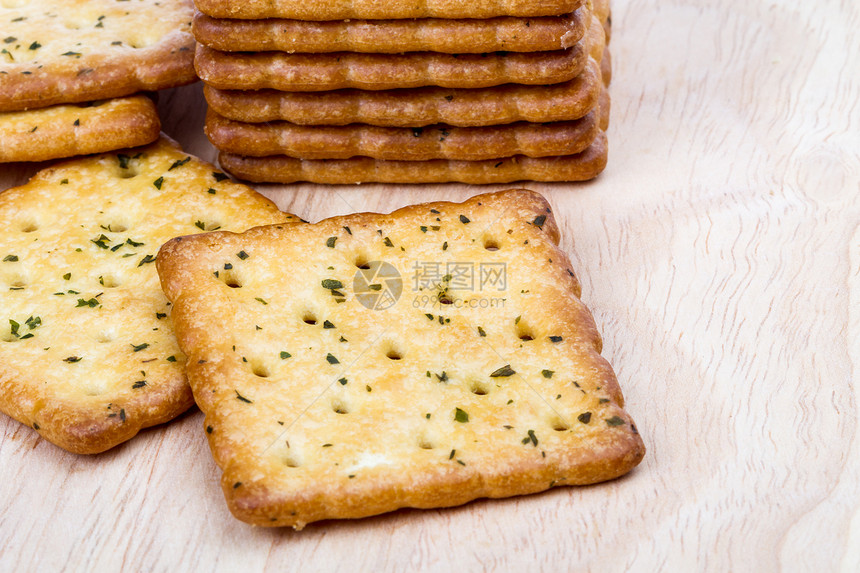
(260,300)
(328,324)
(343,381)
(387,242)
(331,284)
(101,241)
(200,225)
(331,359)
(585,417)
(242,398)
(219,176)
(464,219)
(460,416)
(503,372)
(209,429)
(330,242)
(179,163)
(72,359)
(92,303)
(67,276)
(423,228)
(481,332)
(146,259)
(242,255)
(445,246)
(211,191)
(139,384)
(539,221)
(284,355)
(556,338)
(547,373)
(10,259)
(35,46)
(171,358)
(442,377)
(132,243)
(158,182)
(139,347)
(615,421)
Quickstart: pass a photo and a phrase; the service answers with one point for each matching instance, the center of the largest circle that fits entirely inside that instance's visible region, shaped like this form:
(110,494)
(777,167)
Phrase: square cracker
(415,107)
(393,36)
(339,70)
(64,130)
(87,351)
(355,366)
(66,51)
(376,10)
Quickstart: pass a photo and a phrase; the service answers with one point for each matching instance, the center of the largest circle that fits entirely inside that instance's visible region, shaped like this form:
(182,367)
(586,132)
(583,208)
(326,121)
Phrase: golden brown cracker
(87,352)
(65,130)
(281,169)
(323,72)
(423,358)
(393,36)
(67,51)
(415,107)
(438,141)
(375,10)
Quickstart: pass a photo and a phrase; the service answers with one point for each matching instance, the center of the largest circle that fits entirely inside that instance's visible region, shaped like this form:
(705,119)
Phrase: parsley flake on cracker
(422,358)
(87,352)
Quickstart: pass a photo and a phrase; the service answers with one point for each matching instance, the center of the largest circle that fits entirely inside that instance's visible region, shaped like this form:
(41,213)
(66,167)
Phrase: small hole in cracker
(309,317)
(260,370)
(29,227)
(292,461)
(392,351)
(109,281)
(559,425)
(491,244)
(339,406)
(425,442)
(479,388)
(361,262)
(524,331)
(230,279)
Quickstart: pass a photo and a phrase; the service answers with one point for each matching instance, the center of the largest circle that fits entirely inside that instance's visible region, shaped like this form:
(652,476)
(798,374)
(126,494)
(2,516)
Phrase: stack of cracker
(72,74)
(406,92)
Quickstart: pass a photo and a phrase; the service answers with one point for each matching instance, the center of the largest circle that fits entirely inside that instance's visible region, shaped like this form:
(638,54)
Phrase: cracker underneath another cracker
(403,143)
(376,10)
(338,70)
(87,351)
(65,130)
(415,107)
(422,358)
(393,36)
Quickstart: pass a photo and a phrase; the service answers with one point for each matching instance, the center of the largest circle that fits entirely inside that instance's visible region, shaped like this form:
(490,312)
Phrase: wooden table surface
(720,255)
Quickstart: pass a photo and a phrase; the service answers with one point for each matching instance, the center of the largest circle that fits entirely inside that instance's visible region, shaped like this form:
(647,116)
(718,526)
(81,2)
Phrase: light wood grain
(720,255)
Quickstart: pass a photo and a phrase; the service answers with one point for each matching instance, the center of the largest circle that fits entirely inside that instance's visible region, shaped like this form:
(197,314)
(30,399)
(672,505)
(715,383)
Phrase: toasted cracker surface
(338,70)
(416,107)
(375,10)
(70,51)
(422,358)
(87,351)
(65,130)
(582,166)
(393,36)
(403,143)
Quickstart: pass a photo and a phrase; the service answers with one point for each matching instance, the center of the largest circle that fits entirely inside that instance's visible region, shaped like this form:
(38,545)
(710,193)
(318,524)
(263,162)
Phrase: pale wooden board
(720,254)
